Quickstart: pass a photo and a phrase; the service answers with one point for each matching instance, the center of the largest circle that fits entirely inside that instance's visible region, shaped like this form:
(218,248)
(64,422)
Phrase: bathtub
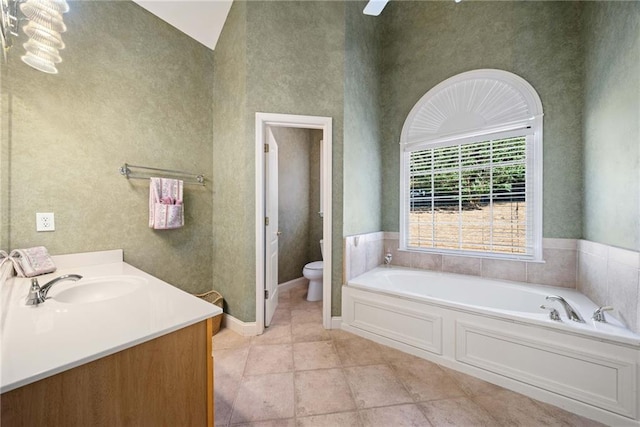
(496,330)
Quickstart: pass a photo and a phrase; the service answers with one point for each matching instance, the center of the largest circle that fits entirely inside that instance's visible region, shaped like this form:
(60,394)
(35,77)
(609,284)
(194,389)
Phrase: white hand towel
(166,210)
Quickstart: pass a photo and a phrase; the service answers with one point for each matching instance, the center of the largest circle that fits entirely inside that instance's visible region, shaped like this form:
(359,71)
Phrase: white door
(271,224)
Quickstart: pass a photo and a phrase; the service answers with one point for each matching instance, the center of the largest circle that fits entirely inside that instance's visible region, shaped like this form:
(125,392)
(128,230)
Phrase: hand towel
(166,210)
(32,261)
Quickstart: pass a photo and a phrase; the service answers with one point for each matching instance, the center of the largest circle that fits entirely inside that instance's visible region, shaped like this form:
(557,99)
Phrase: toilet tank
(322,248)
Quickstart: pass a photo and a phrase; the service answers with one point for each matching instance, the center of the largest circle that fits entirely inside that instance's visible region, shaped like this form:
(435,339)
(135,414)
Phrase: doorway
(267,232)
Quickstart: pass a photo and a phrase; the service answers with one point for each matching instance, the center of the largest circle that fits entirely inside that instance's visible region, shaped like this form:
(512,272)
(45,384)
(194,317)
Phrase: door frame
(263,120)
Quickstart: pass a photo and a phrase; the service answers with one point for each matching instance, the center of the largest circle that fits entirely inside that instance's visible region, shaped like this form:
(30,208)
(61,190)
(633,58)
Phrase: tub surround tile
(460,411)
(592,276)
(551,243)
(611,276)
(374,249)
(462,265)
(322,391)
(376,385)
(426,261)
(357,249)
(504,270)
(622,292)
(398,257)
(397,416)
(559,269)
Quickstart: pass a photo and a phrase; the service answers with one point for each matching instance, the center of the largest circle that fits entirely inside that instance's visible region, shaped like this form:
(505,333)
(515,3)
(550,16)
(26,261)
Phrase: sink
(96,289)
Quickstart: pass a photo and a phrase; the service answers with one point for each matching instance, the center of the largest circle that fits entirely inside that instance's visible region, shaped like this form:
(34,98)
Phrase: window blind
(470,197)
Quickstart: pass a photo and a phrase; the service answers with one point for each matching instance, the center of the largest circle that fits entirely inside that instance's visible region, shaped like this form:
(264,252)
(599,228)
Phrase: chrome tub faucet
(38,294)
(571,313)
(387,259)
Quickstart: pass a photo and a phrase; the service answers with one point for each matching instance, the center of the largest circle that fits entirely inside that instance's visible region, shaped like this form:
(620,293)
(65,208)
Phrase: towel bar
(188,178)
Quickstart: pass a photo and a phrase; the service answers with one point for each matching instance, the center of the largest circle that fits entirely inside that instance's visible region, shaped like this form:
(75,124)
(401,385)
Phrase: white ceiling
(200,19)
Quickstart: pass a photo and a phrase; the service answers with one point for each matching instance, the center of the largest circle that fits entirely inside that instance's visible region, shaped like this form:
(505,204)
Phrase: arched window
(471,168)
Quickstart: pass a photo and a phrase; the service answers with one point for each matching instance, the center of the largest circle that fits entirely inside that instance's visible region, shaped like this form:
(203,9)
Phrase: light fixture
(45,23)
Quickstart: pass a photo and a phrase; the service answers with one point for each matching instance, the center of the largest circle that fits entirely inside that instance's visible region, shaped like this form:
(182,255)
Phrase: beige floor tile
(226,338)
(304,332)
(342,419)
(274,334)
(225,391)
(306,315)
(471,385)
(282,316)
(392,355)
(264,397)
(514,409)
(567,417)
(315,355)
(460,411)
(426,381)
(291,422)
(339,334)
(376,385)
(230,362)
(269,359)
(396,416)
(358,352)
(322,391)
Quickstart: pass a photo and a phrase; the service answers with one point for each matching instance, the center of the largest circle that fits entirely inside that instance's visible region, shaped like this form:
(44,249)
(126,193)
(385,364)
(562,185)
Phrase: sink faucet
(571,313)
(38,294)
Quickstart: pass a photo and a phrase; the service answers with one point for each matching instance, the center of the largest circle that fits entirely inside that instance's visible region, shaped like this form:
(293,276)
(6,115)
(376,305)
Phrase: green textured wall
(424,43)
(233,259)
(130,89)
(298,200)
(287,57)
(612,123)
(362,142)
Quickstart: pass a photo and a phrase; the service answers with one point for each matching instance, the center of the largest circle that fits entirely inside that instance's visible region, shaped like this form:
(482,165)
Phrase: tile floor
(298,374)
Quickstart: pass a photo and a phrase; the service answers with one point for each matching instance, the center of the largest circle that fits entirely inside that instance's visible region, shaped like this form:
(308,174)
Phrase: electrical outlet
(45,222)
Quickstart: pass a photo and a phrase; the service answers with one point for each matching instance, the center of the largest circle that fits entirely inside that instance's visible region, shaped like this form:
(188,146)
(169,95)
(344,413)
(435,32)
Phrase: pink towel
(166,210)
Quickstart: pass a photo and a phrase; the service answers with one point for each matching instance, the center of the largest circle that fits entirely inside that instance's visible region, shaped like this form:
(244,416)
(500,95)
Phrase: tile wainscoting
(606,274)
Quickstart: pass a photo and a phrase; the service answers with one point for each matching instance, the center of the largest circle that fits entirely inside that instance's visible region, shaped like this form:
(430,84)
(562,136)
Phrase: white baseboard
(300,281)
(336,322)
(246,329)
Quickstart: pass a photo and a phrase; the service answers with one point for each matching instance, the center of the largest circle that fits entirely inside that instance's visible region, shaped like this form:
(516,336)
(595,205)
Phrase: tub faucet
(598,315)
(571,313)
(387,259)
(38,294)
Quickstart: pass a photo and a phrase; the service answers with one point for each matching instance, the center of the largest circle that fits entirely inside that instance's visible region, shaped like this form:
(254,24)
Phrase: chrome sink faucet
(38,294)
(571,313)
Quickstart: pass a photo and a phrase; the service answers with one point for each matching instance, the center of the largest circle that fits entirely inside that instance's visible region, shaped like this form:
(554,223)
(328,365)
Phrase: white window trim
(530,118)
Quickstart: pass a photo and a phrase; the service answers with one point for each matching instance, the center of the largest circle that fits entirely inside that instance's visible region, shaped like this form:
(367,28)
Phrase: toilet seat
(316,265)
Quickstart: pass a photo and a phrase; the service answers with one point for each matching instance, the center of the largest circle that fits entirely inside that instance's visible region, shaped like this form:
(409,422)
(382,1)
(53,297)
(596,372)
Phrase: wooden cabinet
(167,381)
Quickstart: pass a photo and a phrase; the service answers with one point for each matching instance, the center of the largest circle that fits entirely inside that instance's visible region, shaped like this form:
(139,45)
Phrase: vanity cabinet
(167,381)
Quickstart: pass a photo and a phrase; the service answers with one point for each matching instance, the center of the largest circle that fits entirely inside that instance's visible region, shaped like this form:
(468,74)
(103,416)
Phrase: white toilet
(313,272)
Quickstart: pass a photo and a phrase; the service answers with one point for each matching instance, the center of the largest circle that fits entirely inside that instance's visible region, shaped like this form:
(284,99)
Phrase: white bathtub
(497,331)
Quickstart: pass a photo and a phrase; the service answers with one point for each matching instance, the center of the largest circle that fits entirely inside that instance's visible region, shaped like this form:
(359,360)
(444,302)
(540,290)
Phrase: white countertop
(37,342)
